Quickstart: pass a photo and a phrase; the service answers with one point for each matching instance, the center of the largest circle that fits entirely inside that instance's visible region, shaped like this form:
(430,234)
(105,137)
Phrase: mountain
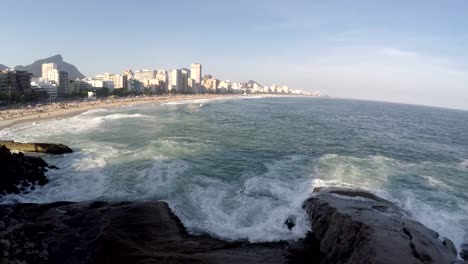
(36,67)
(3,67)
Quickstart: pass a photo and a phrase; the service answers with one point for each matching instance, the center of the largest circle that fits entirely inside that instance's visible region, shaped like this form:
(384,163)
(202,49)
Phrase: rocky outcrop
(48,148)
(350,226)
(464,251)
(353,226)
(19,173)
(36,67)
(122,232)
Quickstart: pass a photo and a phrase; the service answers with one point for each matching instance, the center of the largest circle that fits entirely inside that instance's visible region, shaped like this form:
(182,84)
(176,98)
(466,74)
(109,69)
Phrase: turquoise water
(238,168)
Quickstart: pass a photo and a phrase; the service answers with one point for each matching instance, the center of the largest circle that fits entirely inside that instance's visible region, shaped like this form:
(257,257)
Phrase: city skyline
(402,52)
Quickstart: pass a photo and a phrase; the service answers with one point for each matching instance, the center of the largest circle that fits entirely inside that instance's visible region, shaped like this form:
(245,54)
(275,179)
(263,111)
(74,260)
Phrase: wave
(253,208)
(207,100)
(120,116)
(94,111)
(463,165)
(48,130)
(428,199)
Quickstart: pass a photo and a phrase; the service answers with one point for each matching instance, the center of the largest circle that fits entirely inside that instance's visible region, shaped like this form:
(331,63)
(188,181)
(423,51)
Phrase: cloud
(395,52)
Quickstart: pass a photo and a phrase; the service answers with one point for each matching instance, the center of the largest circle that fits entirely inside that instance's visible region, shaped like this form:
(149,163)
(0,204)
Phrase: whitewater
(237,169)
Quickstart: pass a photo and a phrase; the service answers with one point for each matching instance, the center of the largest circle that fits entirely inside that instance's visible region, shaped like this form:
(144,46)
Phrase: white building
(48,67)
(196,72)
(224,86)
(45,86)
(175,80)
(162,75)
(145,74)
(120,81)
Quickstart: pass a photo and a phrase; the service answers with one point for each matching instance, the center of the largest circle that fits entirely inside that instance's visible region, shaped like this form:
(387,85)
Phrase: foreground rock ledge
(354,226)
(350,226)
(48,148)
(125,232)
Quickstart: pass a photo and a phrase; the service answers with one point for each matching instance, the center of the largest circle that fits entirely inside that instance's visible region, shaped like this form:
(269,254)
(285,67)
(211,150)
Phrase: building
(48,67)
(224,86)
(62,84)
(210,85)
(130,75)
(142,75)
(3,82)
(175,81)
(120,81)
(45,87)
(76,86)
(15,82)
(196,72)
(95,83)
(185,76)
(236,87)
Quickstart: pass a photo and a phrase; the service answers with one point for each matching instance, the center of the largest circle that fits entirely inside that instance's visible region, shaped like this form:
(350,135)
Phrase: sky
(400,51)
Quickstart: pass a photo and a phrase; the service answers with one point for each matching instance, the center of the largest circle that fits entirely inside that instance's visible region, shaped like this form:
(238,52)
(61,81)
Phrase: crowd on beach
(46,109)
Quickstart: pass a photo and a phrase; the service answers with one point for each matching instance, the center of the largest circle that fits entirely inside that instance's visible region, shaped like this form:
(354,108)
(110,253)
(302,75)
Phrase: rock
(464,251)
(5,244)
(37,147)
(450,246)
(290,223)
(122,232)
(20,172)
(354,226)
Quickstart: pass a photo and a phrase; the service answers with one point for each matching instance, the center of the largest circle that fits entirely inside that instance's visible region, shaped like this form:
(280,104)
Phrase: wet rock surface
(350,226)
(464,251)
(126,232)
(49,148)
(20,173)
(353,226)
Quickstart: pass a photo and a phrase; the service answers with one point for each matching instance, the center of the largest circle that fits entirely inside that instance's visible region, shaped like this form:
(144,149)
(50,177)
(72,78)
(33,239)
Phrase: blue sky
(403,51)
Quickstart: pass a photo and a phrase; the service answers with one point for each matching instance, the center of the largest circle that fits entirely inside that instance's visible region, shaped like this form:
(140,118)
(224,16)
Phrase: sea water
(238,168)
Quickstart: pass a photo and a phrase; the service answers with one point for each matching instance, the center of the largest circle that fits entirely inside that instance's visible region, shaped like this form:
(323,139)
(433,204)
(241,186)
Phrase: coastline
(67,112)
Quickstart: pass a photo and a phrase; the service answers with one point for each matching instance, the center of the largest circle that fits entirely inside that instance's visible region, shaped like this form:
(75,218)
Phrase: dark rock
(19,172)
(306,250)
(290,223)
(121,232)
(464,251)
(450,246)
(353,226)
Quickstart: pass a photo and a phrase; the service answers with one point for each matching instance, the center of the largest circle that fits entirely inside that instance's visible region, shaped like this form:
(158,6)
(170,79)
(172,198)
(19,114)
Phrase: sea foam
(381,175)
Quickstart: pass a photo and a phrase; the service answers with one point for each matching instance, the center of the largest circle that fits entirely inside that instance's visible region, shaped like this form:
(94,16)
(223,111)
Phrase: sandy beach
(11,117)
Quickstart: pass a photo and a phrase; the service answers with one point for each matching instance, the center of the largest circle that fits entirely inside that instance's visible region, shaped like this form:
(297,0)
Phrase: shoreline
(73,109)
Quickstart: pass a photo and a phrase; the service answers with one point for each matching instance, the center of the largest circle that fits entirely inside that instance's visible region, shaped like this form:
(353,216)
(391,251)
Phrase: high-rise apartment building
(175,81)
(62,88)
(185,80)
(196,72)
(46,67)
(15,82)
(142,75)
(120,81)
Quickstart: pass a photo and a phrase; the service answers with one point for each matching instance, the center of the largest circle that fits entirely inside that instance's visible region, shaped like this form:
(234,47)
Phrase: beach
(41,113)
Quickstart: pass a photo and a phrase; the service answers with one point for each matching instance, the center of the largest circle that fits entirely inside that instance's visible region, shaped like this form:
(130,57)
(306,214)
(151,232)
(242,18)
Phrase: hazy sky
(403,51)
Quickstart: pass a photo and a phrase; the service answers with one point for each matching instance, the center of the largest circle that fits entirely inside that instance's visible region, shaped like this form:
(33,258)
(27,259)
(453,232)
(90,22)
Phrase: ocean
(238,168)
